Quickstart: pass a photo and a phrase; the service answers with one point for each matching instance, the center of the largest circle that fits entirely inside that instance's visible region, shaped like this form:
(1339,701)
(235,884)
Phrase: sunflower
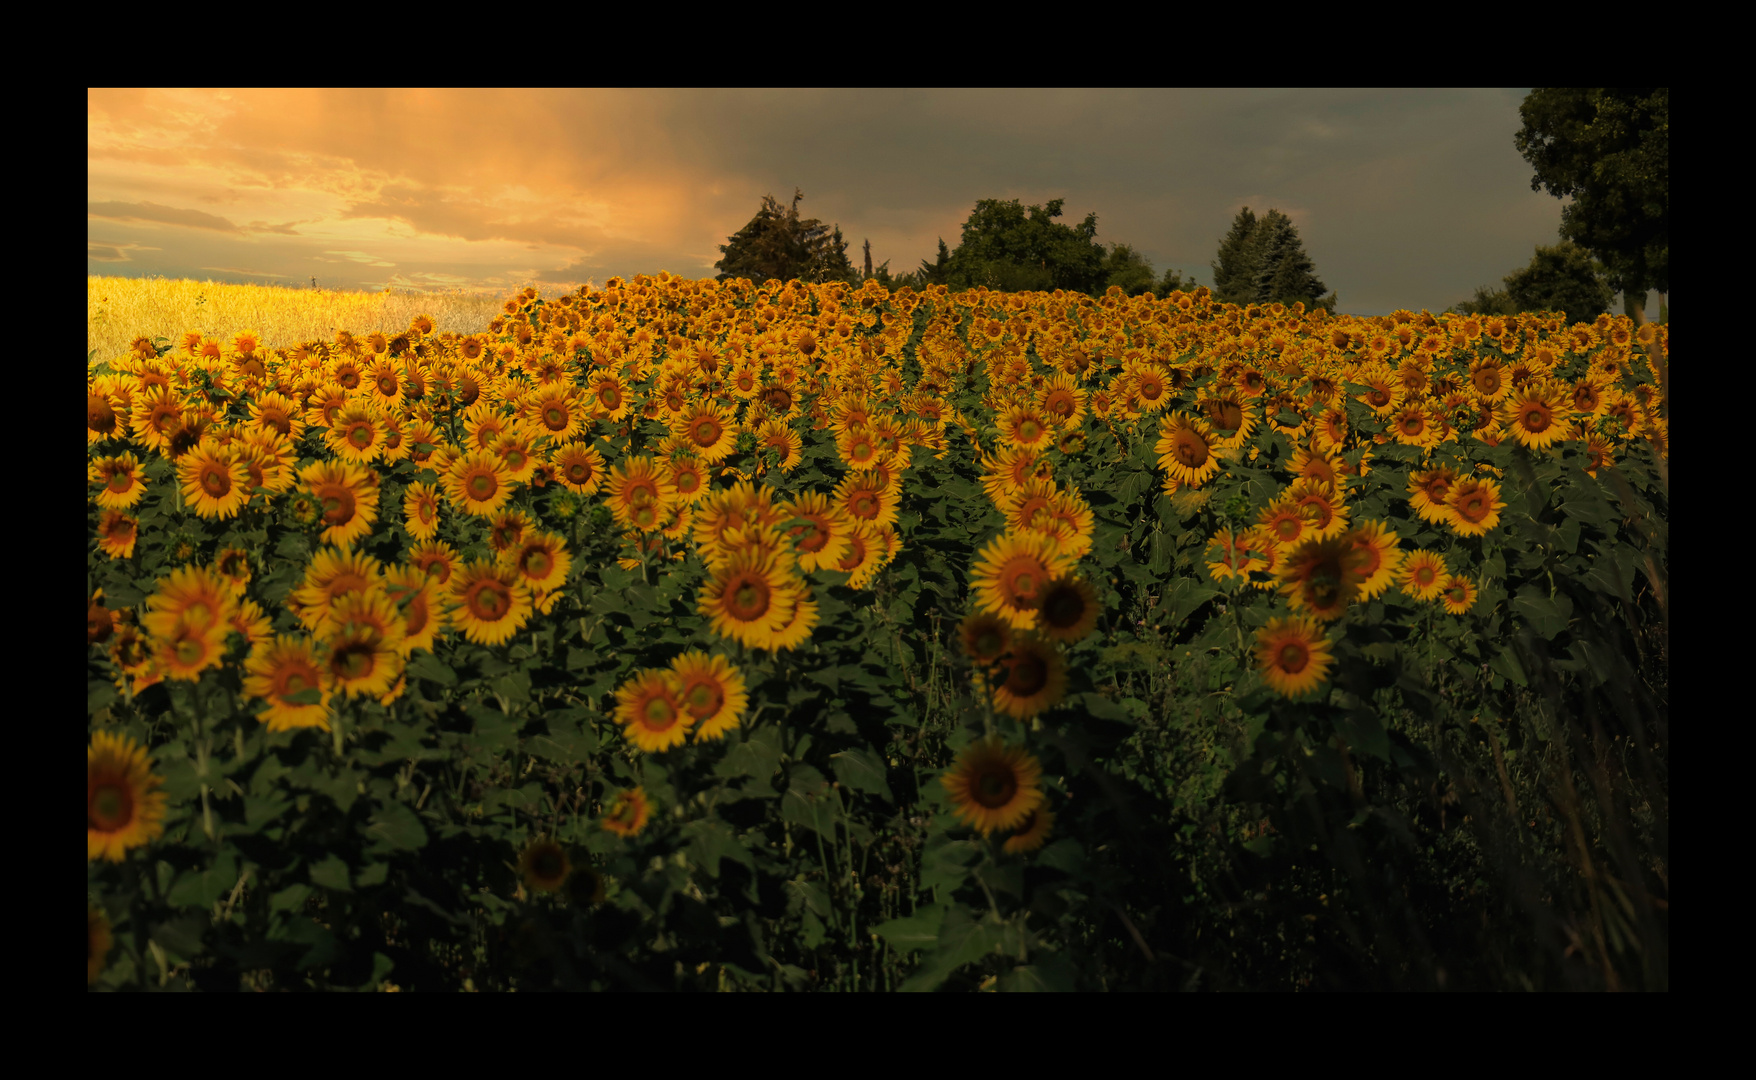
(627,813)
(357,433)
(364,634)
(541,559)
(650,708)
(556,412)
(820,538)
(1534,414)
(215,484)
(1321,577)
(417,596)
(1012,572)
(289,668)
(1474,506)
(801,619)
(1025,427)
(116,534)
(864,496)
(1428,490)
(1293,655)
(1458,594)
(196,596)
(710,430)
(1286,521)
(993,786)
(779,437)
(490,602)
(1423,574)
(712,691)
(420,511)
(543,865)
(516,447)
(123,808)
(744,598)
(1229,557)
(1008,471)
(1069,609)
(1411,426)
(1328,516)
(477,483)
(639,493)
(123,480)
(98,942)
(1029,834)
(1375,546)
(435,558)
(985,637)
(1034,677)
(1185,450)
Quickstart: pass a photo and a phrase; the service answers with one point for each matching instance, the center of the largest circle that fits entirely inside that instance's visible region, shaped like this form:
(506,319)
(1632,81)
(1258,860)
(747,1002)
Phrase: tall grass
(120,309)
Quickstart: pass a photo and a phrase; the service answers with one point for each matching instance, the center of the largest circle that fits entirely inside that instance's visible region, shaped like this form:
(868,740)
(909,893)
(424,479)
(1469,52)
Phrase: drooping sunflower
(543,865)
(1423,574)
(1474,506)
(745,600)
(1293,655)
(1069,609)
(215,484)
(712,691)
(1032,677)
(1029,834)
(123,807)
(1185,450)
(490,602)
(993,786)
(123,480)
(1458,594)
(1012,572)
(627,813)
(291,667)
(649,707)
(478,484)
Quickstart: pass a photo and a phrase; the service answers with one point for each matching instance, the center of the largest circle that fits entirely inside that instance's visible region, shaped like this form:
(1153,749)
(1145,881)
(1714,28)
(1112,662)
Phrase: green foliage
(1012,248)
(777,244)
(1263,261)
(1559,278)
(1608,150)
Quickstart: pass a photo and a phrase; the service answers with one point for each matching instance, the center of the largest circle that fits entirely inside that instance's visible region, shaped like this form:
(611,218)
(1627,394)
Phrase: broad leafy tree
(1561,278)
(1609,151)
(1013,248)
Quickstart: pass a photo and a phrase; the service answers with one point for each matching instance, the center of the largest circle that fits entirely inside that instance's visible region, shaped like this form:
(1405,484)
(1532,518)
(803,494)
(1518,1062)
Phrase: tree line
(1607,150)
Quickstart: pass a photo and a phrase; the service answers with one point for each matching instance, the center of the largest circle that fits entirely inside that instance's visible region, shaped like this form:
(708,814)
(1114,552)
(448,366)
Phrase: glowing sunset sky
(1404,199)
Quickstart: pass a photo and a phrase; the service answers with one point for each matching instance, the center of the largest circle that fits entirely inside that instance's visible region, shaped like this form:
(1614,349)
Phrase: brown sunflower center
(338,505)
(994,786)
(1028,675)
(658,713)
(1063,607)
(555,418)
(704,699)
(537,564)
(482,486)
(1536,418)
(353,660)
(1190,449)
(747,598)
(216,480)
(110,808)
(99,416)
(489,600)
(120,482)
(578,472)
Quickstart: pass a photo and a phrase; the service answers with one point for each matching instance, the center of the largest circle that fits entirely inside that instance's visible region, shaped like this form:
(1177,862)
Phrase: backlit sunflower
(348,496)
(745,600)
(123,808)
(477,483)
(1474,506)
(1458,594)
(215,484)
(1012,572)
(993,786)
(1069,609)
(543,865)
(1029,834)
(123,480)
(650,709)
(288,674)
(490,603)
(712,692)
(1423,574)
(1031,678)
(627,813)
(1293,655)
(1185,450)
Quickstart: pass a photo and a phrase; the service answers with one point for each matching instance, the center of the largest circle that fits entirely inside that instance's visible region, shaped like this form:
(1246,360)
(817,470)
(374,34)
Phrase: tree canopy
(1609,151)
(777,243)
(1262,260)
(1013,248)
(1562,278)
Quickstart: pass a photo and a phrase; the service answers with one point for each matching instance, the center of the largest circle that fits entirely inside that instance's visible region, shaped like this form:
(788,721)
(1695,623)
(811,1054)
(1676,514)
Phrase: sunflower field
(688,635)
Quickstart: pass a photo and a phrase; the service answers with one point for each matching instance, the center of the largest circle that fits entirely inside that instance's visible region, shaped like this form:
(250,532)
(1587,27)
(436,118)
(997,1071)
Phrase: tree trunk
(1634,304)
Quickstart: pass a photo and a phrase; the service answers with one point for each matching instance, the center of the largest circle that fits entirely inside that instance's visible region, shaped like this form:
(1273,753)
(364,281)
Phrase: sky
(1403,198)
